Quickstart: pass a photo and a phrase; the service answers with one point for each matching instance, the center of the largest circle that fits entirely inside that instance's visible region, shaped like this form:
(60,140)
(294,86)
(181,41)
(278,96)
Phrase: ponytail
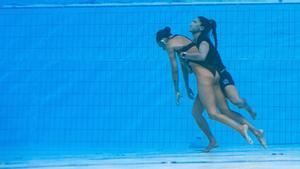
(213,26)
(209,25)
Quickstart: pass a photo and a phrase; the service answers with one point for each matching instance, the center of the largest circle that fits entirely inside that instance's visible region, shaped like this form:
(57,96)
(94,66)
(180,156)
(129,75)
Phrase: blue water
(94,78)
(30,2)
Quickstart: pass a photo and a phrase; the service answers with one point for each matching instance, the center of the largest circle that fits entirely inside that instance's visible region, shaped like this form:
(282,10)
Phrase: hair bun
(168,29)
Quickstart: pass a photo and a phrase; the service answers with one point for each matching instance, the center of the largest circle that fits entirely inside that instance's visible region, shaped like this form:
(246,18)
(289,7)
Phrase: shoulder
(204,43)
(185,38)
(202,39)
(170,48)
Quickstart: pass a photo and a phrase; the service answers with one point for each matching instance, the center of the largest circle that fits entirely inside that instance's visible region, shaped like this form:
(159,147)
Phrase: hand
(183,54)
(190,93)
(178,96)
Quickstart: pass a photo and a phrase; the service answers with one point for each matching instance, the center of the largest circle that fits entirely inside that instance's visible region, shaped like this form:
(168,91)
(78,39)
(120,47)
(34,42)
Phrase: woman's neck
(196,35)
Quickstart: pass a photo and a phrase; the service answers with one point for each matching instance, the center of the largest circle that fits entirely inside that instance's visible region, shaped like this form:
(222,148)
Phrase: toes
(245,134)
(209,148)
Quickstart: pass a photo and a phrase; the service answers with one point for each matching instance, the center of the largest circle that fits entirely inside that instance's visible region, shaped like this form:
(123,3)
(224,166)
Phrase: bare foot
(210,147)
(244,133)
(261,138)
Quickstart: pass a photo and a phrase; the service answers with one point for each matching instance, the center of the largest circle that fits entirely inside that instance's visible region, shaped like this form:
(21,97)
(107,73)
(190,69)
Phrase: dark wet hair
(209,25)
(163,33)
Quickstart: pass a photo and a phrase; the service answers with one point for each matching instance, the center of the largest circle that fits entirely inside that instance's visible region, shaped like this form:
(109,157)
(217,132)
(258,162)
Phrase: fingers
(190,93)
(177,101)
(178,96)
(191,96)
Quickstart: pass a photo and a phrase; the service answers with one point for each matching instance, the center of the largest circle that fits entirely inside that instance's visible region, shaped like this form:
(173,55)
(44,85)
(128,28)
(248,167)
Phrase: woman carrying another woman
(209,90)
(200,28)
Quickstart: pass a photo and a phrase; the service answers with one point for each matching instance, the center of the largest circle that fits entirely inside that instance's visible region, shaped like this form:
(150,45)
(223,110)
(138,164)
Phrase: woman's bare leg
(206,87)
(223,106)
(203,125)
(234,97)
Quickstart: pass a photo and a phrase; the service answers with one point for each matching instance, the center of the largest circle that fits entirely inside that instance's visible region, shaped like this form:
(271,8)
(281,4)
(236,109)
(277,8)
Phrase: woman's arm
(199,55)
(185,73)
(174,68)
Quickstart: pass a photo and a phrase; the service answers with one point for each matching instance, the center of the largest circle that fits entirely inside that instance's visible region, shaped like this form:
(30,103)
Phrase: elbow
(201,57)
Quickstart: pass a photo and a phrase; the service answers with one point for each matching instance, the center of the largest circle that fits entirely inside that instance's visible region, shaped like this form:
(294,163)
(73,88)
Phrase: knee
(213,115)
(239,102)
(225,111)
(196,113)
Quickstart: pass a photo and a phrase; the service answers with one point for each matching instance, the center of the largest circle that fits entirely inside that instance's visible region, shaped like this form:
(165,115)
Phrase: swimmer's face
(196,26)
(163,43)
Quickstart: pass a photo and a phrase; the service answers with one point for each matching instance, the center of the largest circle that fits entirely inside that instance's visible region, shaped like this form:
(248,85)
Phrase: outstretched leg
(203,125)
(234,97)
(206,87)
(223,106)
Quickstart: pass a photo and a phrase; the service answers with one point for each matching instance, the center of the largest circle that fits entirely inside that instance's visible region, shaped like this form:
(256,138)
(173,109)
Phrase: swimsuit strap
(186,47)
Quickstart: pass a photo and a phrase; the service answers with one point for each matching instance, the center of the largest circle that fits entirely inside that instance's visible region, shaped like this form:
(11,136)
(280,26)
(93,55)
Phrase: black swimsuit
(214,60)
(201,63)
